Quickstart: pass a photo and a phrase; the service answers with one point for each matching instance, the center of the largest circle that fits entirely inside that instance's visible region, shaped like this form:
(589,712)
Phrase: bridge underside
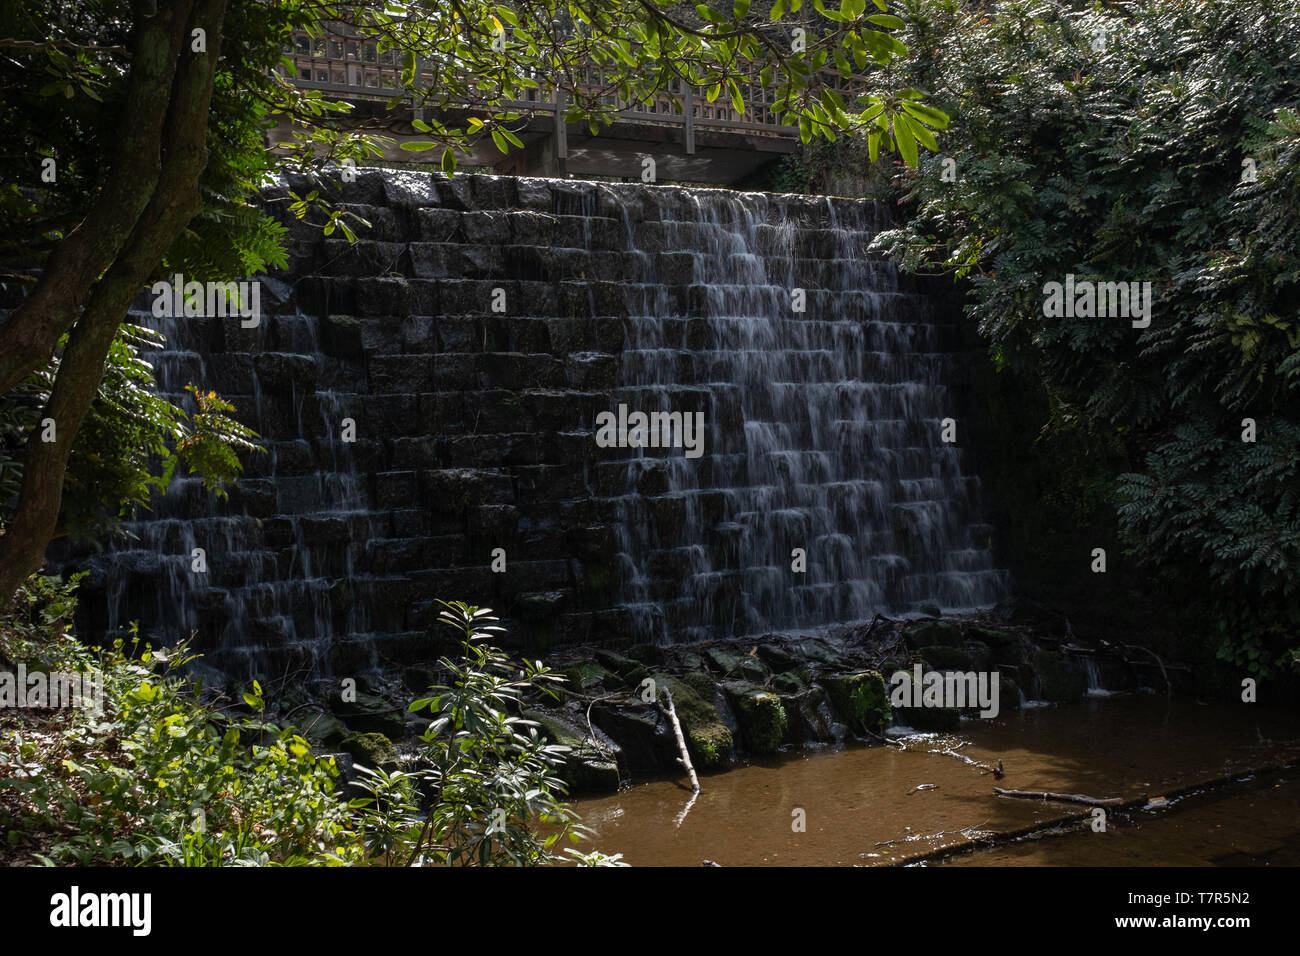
(698,155)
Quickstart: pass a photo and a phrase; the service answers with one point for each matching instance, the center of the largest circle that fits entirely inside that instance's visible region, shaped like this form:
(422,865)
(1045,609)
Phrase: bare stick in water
(685,758)
(1059,797)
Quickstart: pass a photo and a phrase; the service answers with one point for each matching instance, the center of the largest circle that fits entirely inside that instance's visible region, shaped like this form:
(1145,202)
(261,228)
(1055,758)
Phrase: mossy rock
(931,633)
(321,728)
(981,655)
(583,675)
(778,658)
(646,654)
(630,672)
(1008,693)
(860,699)
(920,717)
(1059,679)
(762,718)
(371,750)
(939,657)
(995,638)
(788,683)
(586,769)
(707,737)
(370,713)
(725,660)
(703,685)
(814,649)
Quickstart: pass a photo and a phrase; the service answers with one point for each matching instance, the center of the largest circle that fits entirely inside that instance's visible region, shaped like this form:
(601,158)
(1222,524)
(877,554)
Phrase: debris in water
(923,786)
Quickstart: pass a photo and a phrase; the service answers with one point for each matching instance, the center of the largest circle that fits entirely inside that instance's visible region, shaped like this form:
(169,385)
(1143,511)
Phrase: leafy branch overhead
(493,57)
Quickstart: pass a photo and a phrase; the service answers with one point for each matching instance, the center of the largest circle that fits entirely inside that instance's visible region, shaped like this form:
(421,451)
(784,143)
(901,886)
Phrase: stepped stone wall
(467,342)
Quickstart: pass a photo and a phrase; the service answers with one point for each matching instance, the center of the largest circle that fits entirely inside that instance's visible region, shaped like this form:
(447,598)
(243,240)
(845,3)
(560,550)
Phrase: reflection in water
(865,806)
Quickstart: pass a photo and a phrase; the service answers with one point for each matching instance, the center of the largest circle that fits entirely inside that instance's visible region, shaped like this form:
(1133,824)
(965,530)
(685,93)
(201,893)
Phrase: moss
(860,699)
(762,719)
(371,750)
(703,685)
(707,737)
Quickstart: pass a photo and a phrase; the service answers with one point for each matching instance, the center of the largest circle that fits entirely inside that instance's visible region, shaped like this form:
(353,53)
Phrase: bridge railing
(350,66)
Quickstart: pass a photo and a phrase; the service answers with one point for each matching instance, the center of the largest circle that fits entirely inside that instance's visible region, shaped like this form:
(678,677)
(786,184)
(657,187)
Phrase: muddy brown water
(860,806)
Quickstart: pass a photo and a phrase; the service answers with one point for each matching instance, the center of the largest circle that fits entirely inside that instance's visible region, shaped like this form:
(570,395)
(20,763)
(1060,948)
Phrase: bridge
(690,139)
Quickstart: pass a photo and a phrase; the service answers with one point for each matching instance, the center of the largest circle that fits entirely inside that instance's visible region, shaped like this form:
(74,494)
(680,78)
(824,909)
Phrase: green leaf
(886,20)
(740,8)
(449,161)
(419,145)
(923,135)
(927,114)
(905,139)
(778,10)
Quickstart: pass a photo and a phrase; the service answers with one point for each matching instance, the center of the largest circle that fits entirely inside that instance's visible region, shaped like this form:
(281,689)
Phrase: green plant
(157,777)
(488,774)
(1166,152)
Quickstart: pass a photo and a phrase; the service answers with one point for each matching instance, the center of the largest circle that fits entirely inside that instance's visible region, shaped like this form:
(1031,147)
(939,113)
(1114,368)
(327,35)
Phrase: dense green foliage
(160,777)
(131,443)
(1139,143)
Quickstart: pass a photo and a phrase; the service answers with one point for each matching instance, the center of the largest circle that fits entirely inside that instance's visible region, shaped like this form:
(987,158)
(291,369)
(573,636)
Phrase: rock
(940,657)
(762,718)
(371,750)
(587,769)
(647,654)
(707,737)
(1059,678)
(323,729)
(860,699)
(920,717)
(787,683)
(629,671)
(932,633)
(811,717)
(736,664)
(815,649)
(372,714)
(647,743)
(584,675)
(704,686)
(778,658)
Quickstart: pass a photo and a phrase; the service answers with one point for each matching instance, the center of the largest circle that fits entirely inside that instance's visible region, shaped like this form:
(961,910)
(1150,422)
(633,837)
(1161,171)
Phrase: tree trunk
(31,332)
(175,200)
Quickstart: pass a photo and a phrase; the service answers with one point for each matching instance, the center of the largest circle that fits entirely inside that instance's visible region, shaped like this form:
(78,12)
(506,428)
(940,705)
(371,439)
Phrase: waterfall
(472,336)
(823,384)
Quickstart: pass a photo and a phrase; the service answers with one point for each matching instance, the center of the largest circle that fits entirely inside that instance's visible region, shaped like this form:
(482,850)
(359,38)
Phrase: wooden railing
(351,67)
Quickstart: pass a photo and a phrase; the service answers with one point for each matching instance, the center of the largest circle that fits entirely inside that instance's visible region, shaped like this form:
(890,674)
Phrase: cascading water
(823,387)
(470,338)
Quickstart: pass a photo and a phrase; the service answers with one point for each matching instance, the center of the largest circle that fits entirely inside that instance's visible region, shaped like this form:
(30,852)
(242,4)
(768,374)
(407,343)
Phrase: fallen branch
(1169,686)
(1060,797)
(685,758)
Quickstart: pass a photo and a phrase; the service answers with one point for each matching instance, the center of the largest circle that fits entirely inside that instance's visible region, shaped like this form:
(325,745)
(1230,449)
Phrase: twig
(1080,798)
